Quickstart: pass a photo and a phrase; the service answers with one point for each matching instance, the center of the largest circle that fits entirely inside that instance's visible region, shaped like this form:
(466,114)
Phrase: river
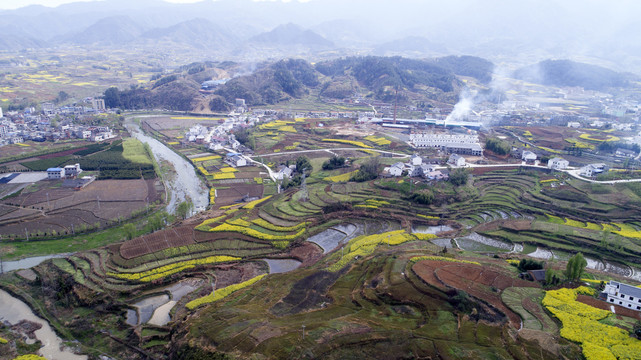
(14,310)
(185,184)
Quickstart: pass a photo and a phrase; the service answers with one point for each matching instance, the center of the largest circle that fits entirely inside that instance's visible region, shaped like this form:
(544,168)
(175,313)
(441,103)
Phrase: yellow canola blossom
(350,142)
(221,293)
(342,177)
(163,271)
(581,324)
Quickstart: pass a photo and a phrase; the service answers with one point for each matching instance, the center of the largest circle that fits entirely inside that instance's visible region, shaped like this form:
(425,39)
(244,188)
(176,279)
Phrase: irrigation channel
(13,311)
(185,184)
(28,262)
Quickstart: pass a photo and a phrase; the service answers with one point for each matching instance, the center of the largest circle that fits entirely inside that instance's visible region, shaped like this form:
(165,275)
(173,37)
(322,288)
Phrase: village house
(284,172)
(72,171)
(593,169)
(397,169)
(416,160)
(622,294)
(528,156)
(236,160)
(558,163)
(456,160)
(625,153)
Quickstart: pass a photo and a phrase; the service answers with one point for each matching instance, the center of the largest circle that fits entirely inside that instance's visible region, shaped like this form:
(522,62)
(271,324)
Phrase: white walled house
(558,163)
(397,169)
(238,161)
(623,295)
(72,170)
(55,173)
(456,160)
(593,169)
(416,160)
(528,156)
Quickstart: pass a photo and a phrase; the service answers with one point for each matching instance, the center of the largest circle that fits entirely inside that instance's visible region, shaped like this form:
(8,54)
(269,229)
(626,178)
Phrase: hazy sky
(14,4)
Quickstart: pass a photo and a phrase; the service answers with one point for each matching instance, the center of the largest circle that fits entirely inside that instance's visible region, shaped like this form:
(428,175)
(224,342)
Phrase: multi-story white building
(55,173)
(623,295)
(441,140)
(558,163)
(71,170)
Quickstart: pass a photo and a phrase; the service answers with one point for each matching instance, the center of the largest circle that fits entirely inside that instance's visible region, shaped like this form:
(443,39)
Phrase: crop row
(351,142)
(166,270)
(342,177)
(252,204)
(204,226)
(205,158)
(255,233)
(442,258)
(221,293)
(366,244)
(267,225)
(381,141)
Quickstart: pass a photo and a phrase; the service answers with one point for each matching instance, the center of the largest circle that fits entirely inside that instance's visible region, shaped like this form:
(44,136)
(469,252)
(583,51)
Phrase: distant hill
(199,33)
(113,30)
(18,40)
(408,45)
(176,91)
(272,84)
(473,66)
(378,77)
(291,34)
(570,73)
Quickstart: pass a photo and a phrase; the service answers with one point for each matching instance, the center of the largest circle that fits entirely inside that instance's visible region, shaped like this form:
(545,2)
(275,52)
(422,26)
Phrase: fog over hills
(523,32)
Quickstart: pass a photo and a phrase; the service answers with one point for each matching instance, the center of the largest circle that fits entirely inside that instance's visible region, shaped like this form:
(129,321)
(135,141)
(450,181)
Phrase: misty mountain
(199,33)
(291,34)
(410,45)
(18,40)
(570,73)
(476,67)
(113,30)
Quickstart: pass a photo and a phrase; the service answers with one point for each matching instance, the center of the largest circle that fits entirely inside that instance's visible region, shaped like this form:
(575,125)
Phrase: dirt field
(157,241)
(478,281)
(227,195)
(46,206)
(12,150)
(167,123)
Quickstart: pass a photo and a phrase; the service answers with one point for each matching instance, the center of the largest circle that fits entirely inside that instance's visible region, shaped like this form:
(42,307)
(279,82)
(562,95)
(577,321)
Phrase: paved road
(574,172)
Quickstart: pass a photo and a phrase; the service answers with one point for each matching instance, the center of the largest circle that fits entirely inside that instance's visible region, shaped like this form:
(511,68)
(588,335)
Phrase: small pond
(277,266)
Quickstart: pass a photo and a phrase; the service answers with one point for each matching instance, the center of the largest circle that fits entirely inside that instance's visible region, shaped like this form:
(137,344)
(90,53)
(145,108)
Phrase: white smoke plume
(462,108)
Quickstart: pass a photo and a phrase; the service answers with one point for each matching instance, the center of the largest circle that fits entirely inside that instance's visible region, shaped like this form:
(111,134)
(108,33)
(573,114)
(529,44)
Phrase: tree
(458,177)
(62,97)
(130,230)
(575,268)
(183,210)
(367,171)
(551,277)
(334,162)
(529,264)
(302,163)
(497,146)
(424,197)
(112,97)
(244,137)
